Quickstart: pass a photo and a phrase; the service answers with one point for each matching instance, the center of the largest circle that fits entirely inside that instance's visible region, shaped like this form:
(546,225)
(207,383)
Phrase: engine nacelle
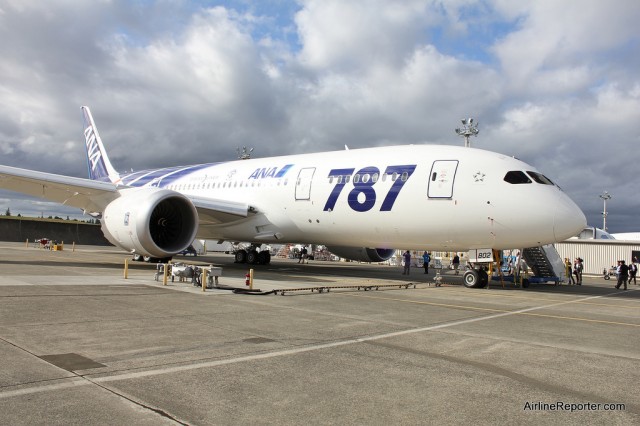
(150,221)
(363,254)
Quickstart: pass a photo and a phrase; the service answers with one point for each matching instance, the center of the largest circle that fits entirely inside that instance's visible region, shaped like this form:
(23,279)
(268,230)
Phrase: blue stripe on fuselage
(165,176)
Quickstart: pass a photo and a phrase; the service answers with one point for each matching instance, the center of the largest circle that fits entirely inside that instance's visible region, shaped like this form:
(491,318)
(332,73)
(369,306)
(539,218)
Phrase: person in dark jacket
(456,263)
(633,269)
(406,256)
(623,274)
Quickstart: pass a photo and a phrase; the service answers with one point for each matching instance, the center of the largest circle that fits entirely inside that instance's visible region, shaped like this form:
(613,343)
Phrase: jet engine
(362,254)
(150,221)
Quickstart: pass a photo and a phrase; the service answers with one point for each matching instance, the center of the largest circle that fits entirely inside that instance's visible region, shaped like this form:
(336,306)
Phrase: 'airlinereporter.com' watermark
(572,406)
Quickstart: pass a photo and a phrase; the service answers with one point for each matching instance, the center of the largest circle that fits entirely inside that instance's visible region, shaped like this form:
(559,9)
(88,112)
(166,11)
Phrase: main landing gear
(252,256)
(140,258)
(476,278)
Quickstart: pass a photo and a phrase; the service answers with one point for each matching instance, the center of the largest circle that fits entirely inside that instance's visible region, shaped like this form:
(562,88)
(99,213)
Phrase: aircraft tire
(471,279)
(264,258)
(525,283)
(252,257)
(241,256)
(484,278)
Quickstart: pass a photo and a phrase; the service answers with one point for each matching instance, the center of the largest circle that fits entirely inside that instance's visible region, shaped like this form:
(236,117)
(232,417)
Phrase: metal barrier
(322,289)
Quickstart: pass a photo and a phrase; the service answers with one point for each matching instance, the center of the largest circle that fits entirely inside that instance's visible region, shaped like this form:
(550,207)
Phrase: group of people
(406,262)
(303,255)
(426,258)
(626,273)
(575,269)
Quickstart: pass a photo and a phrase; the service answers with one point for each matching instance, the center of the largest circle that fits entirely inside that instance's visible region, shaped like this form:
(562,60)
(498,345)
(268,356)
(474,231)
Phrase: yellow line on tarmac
(585,302)
(475,308)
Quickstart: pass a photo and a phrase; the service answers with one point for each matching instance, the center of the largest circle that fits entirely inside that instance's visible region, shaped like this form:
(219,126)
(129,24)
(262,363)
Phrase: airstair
(545,263)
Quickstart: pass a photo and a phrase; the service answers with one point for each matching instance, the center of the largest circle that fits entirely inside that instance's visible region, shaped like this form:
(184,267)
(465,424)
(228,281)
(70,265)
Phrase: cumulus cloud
(553,83)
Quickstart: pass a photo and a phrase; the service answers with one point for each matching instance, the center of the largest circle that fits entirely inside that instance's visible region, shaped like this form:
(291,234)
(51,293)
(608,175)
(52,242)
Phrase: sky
(554,83)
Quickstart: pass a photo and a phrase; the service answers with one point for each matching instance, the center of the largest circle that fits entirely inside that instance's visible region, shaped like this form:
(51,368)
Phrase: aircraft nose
(569,220)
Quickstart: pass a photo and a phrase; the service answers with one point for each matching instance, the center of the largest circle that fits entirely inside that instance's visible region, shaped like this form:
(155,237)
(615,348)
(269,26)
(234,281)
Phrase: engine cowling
(363,254)
(150,221)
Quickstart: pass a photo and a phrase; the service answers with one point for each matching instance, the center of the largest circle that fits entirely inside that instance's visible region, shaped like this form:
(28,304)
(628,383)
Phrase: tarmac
(80,344)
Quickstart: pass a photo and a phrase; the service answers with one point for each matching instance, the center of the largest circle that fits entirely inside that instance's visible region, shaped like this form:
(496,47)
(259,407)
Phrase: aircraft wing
(86,194)
(93,196)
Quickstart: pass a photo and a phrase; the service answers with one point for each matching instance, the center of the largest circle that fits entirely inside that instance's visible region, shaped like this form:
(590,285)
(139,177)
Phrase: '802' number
(363,182)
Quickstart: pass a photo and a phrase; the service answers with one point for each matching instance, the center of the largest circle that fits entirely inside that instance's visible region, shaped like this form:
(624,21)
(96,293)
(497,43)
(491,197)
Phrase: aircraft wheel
(484,278)
(606,277)
(252,257)
(241,256)
(264,257)
(471,279)
(525,283)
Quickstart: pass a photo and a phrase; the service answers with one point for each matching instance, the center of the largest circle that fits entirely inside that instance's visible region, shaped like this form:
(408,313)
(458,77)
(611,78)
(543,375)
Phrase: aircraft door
(303,183)
(441,179)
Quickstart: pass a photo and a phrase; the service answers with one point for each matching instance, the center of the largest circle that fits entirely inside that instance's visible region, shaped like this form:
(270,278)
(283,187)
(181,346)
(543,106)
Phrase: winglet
(98,163)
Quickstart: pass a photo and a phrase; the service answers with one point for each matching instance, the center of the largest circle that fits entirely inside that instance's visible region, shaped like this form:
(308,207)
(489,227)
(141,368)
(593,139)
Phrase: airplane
(360,203)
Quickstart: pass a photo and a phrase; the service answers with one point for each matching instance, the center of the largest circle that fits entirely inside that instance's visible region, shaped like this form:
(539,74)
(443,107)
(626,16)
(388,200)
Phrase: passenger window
(516,177)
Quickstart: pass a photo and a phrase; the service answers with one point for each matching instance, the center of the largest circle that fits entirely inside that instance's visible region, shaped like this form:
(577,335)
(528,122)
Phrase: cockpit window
(540,178)
(516,177)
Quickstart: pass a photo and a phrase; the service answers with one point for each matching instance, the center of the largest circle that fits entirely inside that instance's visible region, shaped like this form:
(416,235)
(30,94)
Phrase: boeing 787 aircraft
(361,203)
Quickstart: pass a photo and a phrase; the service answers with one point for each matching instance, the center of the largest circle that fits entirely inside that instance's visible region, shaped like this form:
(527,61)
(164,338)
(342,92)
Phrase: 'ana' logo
(93,151)
(270,172)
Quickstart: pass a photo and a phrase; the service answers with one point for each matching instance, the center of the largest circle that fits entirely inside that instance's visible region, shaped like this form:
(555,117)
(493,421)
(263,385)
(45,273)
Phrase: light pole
(469,128)
(605,196)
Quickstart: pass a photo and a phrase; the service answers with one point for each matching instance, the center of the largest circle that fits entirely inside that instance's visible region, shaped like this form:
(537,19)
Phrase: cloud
(554,83)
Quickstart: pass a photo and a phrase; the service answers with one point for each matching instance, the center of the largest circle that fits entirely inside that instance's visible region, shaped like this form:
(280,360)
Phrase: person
(510,266)
(426,259)
(567,267)
(303,255)
(577,270)
(456,263)
(623,274)
(633,269)
(406,256)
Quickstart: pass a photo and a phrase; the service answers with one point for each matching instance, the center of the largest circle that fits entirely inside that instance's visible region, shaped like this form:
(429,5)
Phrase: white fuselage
(414,197)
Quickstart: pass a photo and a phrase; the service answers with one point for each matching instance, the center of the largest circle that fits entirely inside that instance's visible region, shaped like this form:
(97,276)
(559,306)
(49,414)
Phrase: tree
(8,212)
